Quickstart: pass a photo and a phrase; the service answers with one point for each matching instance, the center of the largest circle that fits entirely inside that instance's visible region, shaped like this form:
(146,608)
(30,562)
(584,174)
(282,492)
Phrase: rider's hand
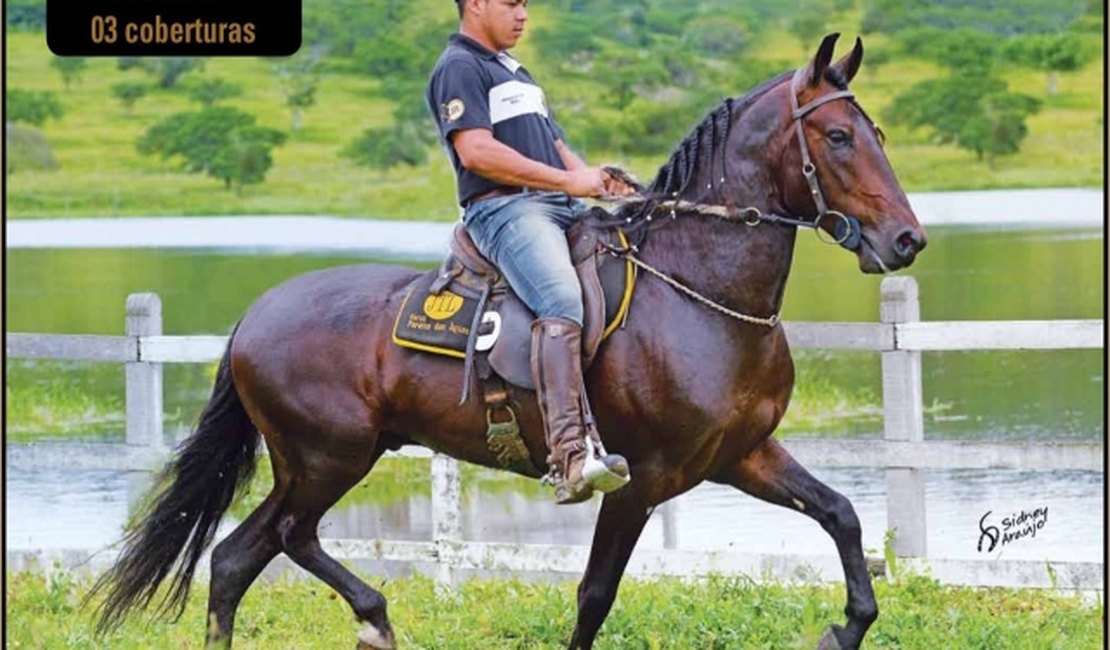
(586,181)
(615,187)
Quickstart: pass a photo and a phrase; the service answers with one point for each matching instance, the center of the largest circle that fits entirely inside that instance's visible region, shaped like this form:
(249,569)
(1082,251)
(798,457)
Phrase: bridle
(846,233)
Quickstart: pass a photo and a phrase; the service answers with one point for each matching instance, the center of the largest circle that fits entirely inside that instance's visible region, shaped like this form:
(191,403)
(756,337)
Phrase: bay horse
(685,392)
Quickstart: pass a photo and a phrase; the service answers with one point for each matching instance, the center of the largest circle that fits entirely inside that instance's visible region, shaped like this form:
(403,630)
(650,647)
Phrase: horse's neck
(741,267)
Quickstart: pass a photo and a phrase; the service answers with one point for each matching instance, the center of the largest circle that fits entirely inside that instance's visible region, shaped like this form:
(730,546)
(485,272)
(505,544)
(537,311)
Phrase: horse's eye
(838,137)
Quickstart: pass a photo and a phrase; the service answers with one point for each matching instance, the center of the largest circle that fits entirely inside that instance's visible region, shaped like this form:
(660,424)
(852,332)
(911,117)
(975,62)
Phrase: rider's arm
(479,152)
(569,158)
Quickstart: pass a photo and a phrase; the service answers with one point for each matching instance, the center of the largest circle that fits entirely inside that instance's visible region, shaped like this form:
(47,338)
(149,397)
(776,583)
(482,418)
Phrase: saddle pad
(437,323)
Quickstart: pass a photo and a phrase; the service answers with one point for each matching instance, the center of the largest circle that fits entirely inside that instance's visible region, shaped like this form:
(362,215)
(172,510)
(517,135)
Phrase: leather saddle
(467,310)
(498,337)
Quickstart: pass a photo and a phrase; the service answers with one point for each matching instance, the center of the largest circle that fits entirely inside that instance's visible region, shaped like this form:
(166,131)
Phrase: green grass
(102,175)
(57,409)
(717,613)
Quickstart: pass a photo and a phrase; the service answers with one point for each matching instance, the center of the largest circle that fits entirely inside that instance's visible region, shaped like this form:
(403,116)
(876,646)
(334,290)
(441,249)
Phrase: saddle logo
(442,306)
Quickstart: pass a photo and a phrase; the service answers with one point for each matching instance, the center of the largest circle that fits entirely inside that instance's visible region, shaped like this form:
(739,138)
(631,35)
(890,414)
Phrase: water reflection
(51,509)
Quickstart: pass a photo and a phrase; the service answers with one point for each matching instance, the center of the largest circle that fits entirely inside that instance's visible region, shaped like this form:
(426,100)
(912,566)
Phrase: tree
(25,15)
(626,73)
(574,42)
(27,148)
(999,127)
(810,21)
(715,37)
(1053,53)
(953,48)
(388,147)
(32,106)
(167,69)
(299,76)
(974,111)
(129,92)
(70,67)
(220,141)
(210,91)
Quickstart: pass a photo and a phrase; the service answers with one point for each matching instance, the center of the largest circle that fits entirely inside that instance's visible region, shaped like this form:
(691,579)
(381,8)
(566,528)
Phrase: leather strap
(503,190)
(808,168)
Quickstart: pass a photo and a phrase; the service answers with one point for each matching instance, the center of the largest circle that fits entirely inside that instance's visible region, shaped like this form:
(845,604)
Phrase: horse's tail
(195,490)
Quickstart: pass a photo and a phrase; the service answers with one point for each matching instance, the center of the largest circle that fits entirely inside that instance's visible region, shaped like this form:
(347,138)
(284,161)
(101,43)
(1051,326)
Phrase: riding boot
(557,371)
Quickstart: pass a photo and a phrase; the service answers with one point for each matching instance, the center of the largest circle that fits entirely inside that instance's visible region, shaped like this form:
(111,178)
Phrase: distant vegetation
(974,94)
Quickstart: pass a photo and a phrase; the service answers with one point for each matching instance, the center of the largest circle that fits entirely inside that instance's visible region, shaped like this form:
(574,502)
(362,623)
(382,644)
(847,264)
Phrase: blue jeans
(525,236)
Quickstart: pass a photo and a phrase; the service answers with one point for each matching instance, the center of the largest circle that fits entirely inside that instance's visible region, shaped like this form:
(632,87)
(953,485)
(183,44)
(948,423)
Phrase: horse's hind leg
(310,496)
(771,474)
(236,562)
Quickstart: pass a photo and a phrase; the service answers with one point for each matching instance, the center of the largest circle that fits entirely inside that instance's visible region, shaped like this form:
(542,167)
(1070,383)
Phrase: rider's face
(502,21)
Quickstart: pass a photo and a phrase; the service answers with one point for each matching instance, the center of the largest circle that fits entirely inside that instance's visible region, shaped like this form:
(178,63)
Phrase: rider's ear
(821,60)
(849,65)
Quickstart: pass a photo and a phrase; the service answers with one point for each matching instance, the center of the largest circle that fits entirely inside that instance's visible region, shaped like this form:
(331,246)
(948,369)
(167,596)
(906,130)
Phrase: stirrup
(600,476)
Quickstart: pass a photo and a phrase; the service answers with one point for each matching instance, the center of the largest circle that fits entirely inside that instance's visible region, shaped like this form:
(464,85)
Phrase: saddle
(467,311)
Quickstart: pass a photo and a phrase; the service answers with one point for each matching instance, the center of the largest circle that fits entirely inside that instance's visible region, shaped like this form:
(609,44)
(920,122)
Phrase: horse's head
(833,165)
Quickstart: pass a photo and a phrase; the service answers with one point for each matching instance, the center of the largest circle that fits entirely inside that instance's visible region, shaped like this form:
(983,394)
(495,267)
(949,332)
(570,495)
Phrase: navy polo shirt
(472,87)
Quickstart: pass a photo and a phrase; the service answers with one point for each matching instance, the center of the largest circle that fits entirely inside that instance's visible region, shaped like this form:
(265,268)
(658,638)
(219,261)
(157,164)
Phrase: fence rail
(900,337)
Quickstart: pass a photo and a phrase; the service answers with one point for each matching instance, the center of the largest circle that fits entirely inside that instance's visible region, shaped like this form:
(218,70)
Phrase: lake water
(967,273)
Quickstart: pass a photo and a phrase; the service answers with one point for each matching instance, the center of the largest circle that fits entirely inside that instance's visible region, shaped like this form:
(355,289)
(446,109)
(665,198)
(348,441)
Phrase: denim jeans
(525,236)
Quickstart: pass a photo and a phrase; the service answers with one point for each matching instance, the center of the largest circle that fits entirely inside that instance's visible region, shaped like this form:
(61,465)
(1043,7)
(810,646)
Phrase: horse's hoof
(371,638)
(828,640)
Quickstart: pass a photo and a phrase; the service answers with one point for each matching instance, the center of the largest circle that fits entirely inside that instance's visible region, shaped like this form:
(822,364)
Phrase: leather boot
(557,371)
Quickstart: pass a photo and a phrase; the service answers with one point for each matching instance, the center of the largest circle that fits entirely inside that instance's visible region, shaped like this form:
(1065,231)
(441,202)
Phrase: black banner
(173,27)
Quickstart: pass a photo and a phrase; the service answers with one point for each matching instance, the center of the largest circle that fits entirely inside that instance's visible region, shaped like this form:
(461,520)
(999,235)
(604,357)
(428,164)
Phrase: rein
(846,232)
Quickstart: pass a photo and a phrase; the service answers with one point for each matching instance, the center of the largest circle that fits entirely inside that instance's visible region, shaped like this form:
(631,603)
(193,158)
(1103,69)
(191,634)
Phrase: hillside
(102,174)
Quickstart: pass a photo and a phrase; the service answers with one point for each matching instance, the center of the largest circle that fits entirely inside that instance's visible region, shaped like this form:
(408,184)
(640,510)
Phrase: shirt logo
(515,98)
(452,110)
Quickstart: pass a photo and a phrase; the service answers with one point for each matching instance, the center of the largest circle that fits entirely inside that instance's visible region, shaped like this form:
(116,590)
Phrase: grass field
(102,174)
(718,613)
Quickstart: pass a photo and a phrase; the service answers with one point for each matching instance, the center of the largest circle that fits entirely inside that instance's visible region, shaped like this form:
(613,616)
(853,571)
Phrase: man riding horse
(517,182)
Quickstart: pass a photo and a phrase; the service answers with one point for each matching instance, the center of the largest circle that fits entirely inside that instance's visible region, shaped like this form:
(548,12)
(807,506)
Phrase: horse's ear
(821,60)
(848,66)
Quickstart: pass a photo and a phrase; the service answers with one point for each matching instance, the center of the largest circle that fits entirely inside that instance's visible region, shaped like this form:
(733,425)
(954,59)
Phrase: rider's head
(497,24)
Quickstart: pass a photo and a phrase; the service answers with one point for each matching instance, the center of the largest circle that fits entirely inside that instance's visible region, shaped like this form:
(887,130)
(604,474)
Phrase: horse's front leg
(619,524)
(771,474)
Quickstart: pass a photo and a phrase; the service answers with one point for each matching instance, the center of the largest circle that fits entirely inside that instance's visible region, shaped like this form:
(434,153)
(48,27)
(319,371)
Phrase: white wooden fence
(900,337)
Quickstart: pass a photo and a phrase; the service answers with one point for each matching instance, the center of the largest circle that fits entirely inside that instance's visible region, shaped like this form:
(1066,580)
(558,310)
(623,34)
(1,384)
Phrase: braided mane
(699,149)
(701,145)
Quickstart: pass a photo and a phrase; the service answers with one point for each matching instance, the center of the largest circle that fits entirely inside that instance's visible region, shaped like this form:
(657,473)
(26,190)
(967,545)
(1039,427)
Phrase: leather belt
(502,190)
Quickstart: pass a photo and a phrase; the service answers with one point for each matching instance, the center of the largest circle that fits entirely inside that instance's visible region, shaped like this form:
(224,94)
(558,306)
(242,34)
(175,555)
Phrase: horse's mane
(698,149)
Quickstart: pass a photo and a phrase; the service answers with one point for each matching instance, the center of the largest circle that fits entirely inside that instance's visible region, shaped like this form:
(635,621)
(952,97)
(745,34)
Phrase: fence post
(144,379)
(903,419)
(670,527)
(446,518)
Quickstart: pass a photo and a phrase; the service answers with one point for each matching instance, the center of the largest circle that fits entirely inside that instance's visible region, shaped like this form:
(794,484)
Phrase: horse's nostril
(908,243)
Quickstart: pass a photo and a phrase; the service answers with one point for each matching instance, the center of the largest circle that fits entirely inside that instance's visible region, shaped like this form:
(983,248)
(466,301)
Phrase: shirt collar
(472,45)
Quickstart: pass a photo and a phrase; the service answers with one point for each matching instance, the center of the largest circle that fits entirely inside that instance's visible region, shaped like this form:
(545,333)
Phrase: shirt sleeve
(458,98)
(556,130)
